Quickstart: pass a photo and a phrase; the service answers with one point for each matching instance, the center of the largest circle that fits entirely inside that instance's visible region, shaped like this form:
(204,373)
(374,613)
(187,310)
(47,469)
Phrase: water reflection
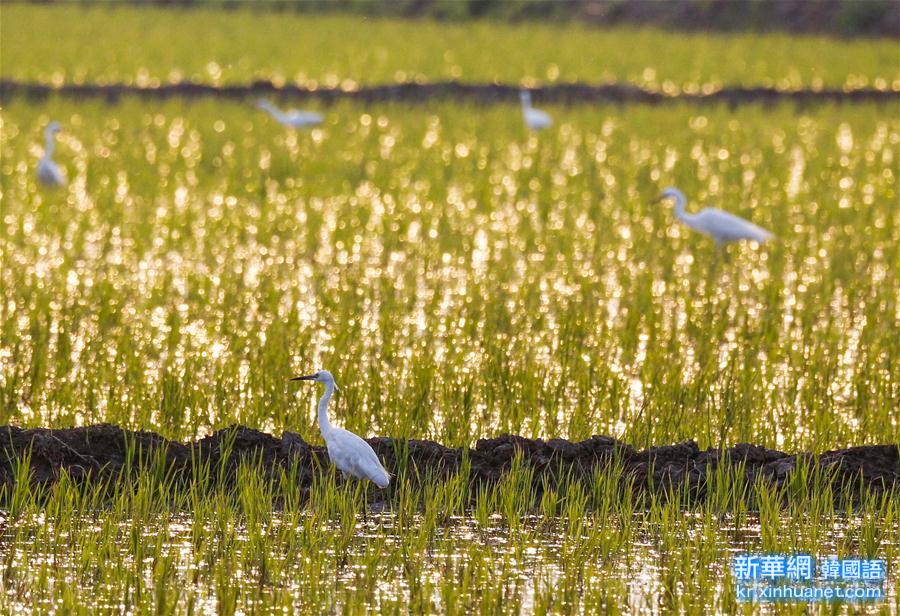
(530,563)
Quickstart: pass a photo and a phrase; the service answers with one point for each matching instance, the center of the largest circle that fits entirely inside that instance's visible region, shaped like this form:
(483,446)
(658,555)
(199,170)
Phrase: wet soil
(105,452)
(477,93)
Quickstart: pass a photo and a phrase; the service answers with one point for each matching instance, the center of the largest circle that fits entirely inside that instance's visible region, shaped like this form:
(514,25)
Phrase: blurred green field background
(148,46)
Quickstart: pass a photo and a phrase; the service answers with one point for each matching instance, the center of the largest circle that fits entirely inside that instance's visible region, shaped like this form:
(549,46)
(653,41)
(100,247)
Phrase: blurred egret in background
(348,452)
(535,119)
(721,226)
(292,118)
(48,172)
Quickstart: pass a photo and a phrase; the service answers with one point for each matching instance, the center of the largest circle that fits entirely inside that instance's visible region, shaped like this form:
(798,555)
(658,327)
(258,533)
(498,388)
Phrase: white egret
(535,119)
(292,118)
(48,172)
(348,452)
(721,226)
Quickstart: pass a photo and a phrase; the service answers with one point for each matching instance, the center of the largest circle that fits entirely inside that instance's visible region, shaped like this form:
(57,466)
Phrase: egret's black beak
(308,377)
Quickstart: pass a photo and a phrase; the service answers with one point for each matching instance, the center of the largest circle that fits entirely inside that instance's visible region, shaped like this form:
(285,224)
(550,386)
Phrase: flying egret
(292,118)
(348,452)
(535,119)
(48,172)
(721,226)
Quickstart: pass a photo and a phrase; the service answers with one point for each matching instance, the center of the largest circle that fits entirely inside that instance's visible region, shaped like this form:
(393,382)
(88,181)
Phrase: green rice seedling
(769,505)
(405,503)
(550,503)
(19,496)
(451,496)
(515,491)
(484,508)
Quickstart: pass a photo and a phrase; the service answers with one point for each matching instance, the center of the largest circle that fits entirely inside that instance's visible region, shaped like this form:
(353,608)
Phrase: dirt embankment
(476,93)
(104,452)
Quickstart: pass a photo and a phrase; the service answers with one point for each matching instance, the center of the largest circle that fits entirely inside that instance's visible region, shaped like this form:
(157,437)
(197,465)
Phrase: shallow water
(532,566)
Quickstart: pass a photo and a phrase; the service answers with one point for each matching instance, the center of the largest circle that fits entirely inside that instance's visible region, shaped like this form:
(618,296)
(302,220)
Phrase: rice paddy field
(227,47)
(462,278)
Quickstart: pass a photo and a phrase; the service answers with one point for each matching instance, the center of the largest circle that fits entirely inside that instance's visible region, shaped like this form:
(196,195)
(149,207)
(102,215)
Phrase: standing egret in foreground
(292,118)
(48,172)
(535,119)
(348,452)
(721,226)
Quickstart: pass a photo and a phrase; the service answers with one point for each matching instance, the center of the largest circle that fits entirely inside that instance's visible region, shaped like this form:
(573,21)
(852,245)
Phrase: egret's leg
(721,254)
(714,264)
(361,486)
(723,250)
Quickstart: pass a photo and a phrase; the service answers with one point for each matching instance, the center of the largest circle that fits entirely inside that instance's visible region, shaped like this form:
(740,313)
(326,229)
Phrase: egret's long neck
(680,203)
(526,102)
(270,108)
(324,423)
(51,144)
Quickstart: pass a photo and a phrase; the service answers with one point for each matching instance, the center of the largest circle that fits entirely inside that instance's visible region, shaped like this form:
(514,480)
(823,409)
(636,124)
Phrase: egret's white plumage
(535,119)
(348,452)
(292,118)
(48,172)
(721,226)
